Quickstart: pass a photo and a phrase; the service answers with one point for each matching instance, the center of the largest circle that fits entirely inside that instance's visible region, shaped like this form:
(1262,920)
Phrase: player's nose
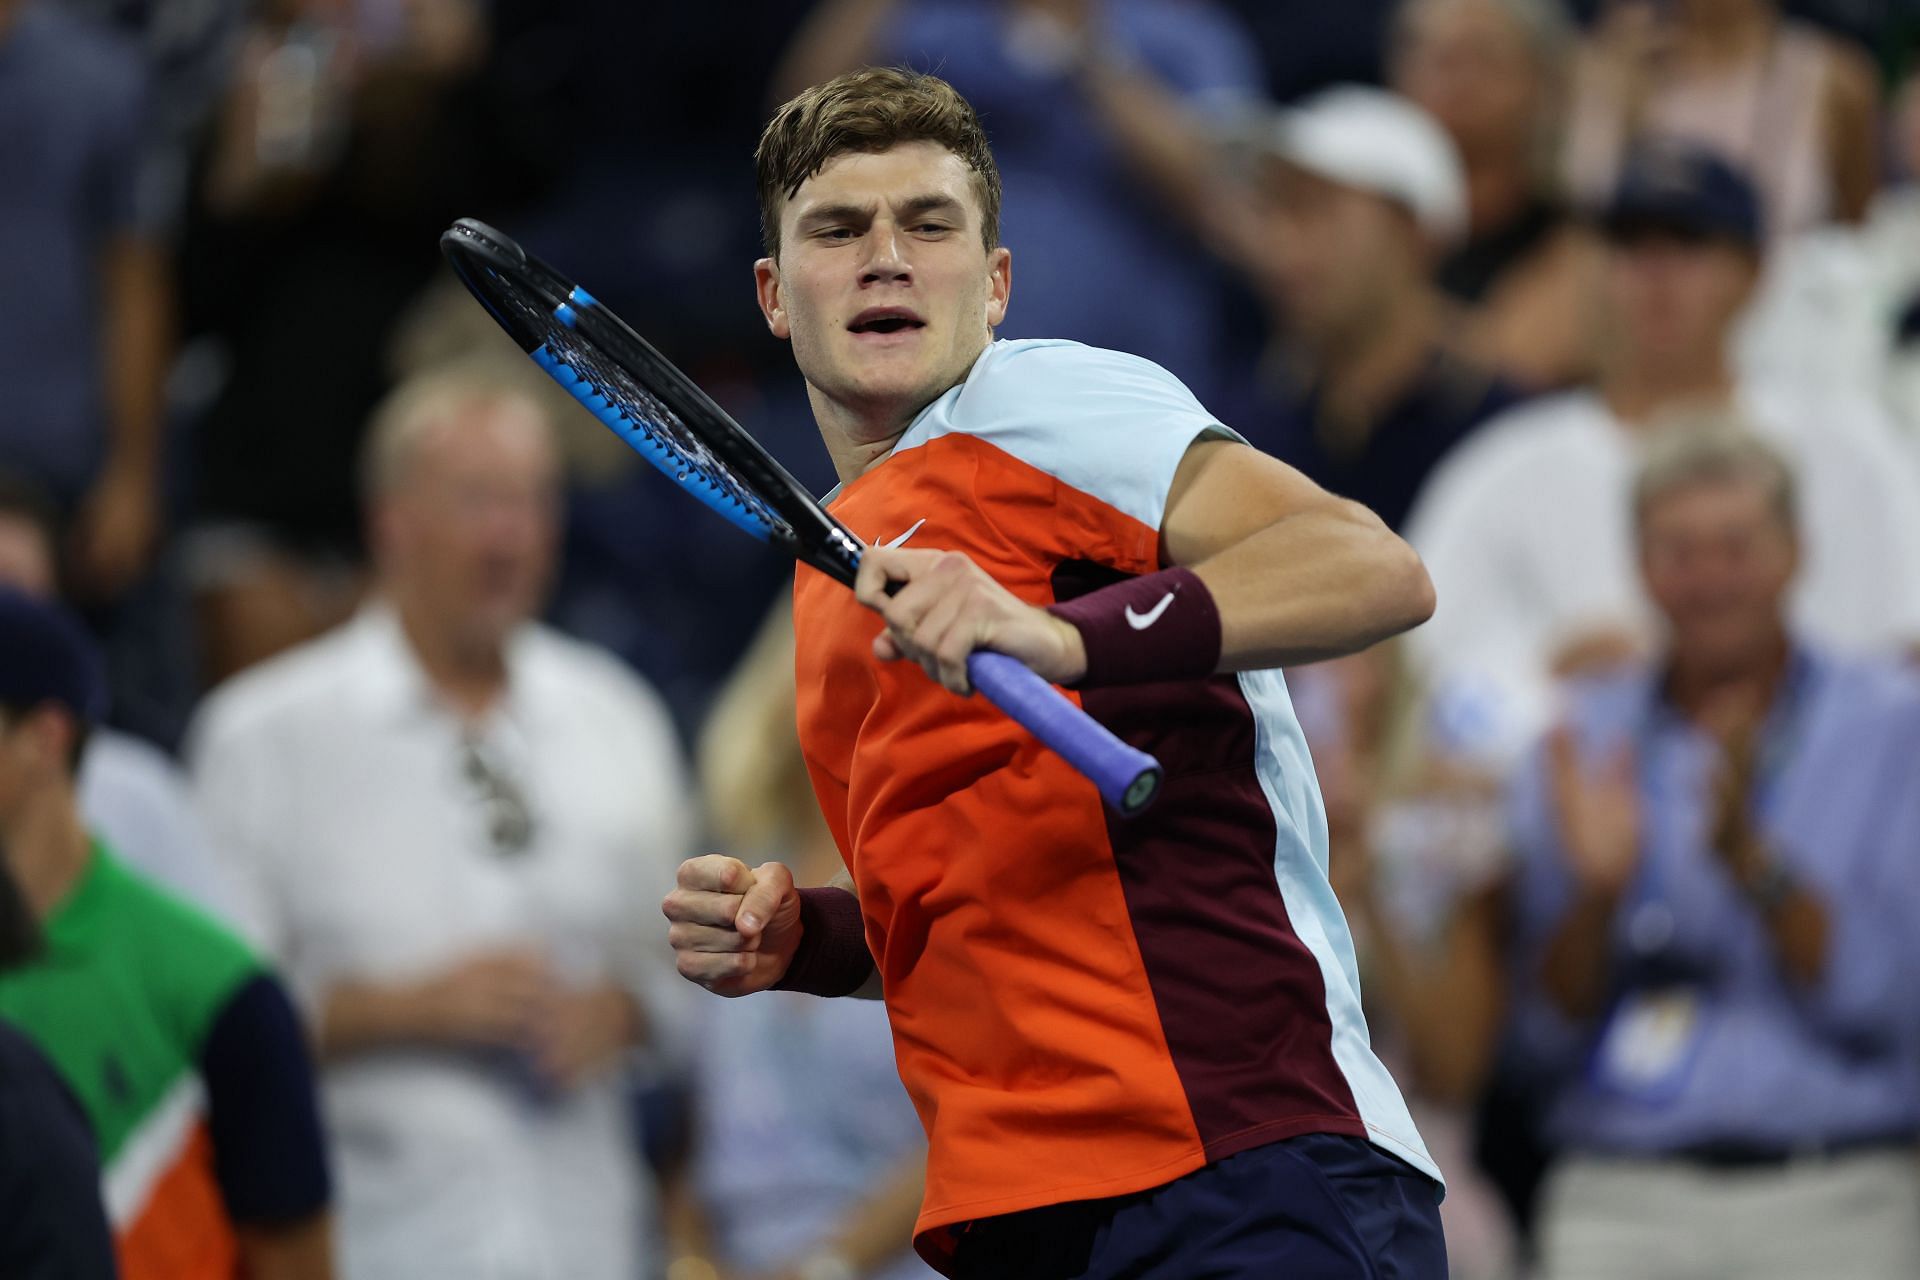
(886,256)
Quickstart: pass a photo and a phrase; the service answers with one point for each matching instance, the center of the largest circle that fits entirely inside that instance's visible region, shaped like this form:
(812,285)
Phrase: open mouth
(885,320)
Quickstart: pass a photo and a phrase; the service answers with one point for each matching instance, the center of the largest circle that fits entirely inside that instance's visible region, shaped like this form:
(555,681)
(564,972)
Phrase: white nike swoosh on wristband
(908,534)
(1141,621)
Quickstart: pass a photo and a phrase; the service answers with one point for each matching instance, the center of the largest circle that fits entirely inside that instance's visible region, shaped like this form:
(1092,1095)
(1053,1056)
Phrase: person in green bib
(181,1046)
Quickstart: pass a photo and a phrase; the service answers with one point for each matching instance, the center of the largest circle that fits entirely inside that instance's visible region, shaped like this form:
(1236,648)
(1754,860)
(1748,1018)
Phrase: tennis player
(1137,1046)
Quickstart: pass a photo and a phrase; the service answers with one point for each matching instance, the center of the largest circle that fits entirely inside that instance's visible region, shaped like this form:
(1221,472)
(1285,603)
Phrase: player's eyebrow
(920,206)
(822,215)
(916,207)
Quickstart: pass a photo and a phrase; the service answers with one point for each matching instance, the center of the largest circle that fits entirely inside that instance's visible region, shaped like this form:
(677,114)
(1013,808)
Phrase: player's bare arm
(1297,575)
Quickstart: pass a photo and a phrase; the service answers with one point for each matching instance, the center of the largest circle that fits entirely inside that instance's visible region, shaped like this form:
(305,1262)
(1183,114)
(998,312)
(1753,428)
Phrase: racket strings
(656,421)
(670,442)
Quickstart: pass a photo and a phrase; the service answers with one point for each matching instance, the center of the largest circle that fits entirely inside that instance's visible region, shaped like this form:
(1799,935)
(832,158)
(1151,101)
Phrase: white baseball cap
(1380,142)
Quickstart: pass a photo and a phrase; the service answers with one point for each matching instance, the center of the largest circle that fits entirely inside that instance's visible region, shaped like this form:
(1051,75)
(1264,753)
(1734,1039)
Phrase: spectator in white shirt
(131,792)
(1524,528)
(449,824)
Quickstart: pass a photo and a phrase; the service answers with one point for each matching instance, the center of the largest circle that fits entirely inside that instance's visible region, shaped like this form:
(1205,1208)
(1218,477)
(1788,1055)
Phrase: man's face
(1469,65)
(1717,559)
(26,561)
(1332,257)
(1674,299)
(470,529)
(34,744)
(882,283)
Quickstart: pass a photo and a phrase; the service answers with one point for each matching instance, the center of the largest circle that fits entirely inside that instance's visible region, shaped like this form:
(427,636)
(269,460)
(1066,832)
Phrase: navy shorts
(1316,1207)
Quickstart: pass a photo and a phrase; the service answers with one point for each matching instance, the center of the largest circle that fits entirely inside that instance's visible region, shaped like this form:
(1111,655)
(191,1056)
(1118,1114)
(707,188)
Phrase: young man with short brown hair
(1133,1044)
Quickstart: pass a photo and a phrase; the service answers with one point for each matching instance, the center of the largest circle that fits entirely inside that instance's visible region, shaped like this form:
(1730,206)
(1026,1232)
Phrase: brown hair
(871,109)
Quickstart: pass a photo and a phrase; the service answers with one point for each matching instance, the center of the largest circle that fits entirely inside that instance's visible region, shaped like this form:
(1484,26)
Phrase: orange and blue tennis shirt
(1082,1006)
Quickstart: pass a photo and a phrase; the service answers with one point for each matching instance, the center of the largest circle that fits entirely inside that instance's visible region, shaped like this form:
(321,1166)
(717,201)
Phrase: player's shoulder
(1110,425)
(1016,378)
(1046,399)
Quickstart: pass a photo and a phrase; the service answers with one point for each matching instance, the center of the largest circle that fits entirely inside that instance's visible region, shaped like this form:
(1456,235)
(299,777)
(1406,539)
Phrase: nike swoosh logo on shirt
(908,534)
(1141,621)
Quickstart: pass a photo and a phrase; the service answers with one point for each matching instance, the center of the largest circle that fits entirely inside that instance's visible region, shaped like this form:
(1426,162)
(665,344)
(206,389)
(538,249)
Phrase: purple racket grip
(1128,778)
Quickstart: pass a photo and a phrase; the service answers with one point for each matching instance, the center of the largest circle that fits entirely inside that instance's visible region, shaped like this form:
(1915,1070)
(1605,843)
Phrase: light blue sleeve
(1109,424)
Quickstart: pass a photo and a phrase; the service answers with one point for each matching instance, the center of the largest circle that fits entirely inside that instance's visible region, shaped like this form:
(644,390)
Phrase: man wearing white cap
(1358,192)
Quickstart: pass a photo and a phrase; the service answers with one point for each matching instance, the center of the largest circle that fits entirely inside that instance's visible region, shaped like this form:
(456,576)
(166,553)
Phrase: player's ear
(999,284)
(766,287)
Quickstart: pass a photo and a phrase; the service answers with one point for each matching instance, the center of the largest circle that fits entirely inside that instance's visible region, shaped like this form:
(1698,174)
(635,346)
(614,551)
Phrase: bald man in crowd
(441,817)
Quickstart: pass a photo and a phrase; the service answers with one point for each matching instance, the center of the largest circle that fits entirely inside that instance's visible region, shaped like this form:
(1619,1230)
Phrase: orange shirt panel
(1024,1024)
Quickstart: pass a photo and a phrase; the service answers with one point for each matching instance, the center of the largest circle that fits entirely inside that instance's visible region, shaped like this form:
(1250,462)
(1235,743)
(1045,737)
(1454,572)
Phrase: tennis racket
(659,411)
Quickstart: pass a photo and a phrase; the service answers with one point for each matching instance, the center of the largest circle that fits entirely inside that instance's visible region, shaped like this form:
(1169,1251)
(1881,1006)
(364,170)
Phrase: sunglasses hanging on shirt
(509,818)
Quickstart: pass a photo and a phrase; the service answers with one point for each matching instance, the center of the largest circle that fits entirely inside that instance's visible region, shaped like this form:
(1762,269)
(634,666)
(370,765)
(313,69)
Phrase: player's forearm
(1324,582)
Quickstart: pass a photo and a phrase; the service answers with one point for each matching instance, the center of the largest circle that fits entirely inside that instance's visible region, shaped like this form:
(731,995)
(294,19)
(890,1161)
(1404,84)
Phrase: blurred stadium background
(217,257)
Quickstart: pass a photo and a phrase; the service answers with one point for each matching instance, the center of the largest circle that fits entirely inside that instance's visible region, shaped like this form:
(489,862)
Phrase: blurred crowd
(358,697)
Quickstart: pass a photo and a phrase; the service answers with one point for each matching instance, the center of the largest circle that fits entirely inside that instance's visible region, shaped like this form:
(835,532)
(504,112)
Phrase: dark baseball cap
(1684,190)
(46,656)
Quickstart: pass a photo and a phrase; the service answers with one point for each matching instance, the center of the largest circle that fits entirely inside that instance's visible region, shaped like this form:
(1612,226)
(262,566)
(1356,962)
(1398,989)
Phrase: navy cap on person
(46,656)
(1686,190)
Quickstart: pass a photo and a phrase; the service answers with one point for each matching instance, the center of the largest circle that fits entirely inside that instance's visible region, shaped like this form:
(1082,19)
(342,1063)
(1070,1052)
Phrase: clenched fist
(734,928)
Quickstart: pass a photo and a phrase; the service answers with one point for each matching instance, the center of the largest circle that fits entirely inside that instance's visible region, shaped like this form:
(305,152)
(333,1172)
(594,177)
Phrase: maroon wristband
(1163,626)
(832,958)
